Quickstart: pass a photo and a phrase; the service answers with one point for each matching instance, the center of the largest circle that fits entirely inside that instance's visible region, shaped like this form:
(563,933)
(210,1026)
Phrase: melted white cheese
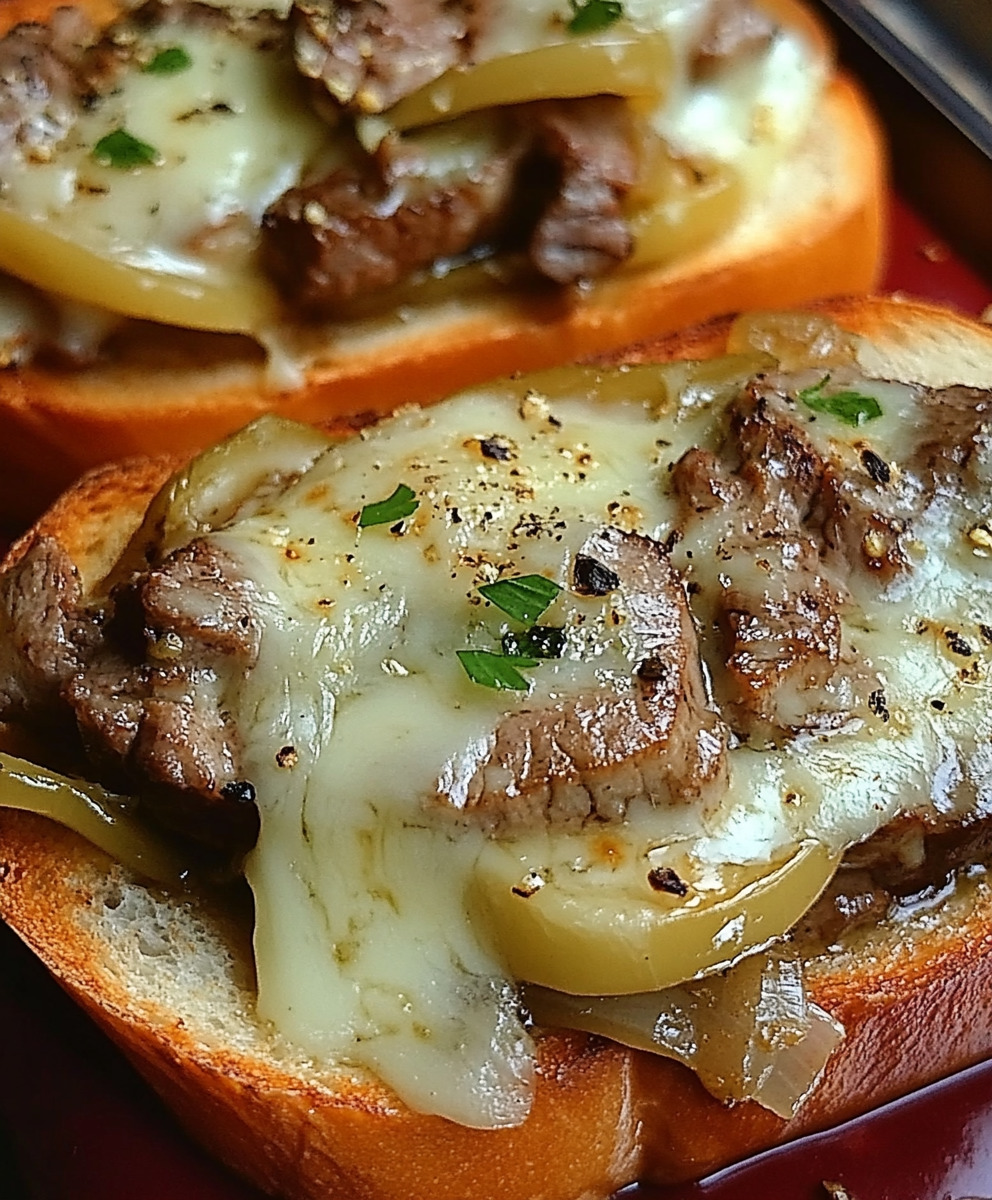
(368,949)
(749,113)
(538,22)
(227,136)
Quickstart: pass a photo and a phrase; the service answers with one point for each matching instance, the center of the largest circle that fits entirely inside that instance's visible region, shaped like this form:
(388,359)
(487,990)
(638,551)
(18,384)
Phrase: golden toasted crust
(903,338)
(315,1134)
(912,998)
(16,11)
(820,234)
(94,519)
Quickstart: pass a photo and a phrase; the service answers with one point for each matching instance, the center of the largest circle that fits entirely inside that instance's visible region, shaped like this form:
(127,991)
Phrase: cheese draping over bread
(393,917)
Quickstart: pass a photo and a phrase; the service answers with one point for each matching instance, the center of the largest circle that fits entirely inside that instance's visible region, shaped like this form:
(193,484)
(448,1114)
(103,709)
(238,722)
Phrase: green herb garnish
(540,641)
(589,16)
(169,62)
(496,670)
(853,408)
(124,151)
(523,598)
(400,504)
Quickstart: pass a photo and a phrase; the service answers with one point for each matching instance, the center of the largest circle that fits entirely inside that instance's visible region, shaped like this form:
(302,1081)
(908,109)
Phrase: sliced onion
(796,339)
(662,387)
(749,1033)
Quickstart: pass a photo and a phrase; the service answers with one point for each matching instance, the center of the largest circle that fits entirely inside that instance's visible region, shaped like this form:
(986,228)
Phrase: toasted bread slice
(818,231)
(170,977)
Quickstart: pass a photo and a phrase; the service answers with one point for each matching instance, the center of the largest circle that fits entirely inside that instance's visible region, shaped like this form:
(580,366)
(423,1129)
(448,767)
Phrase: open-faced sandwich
(606,753)
(208,212)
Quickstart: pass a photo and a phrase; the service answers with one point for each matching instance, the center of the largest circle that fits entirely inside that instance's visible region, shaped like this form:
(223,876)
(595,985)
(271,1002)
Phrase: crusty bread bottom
(819,232)
(172,986)
(170,978)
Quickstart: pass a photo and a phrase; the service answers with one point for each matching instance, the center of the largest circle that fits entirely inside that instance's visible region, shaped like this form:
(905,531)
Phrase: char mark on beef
(369,54)
(587,759)
(141,679)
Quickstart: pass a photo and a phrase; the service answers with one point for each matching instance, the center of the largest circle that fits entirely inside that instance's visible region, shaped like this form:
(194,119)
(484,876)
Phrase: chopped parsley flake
(169,62)
(853,408)
(124,151)
(590,16)
(402,503)
(540,641)
(493,670)
(523,598)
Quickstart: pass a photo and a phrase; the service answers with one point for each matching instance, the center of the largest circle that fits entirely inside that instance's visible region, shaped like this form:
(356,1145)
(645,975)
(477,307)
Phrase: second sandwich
(208,212)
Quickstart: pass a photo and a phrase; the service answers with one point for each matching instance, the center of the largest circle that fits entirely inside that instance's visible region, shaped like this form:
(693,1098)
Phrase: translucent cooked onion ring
(795,339)
(749,1034)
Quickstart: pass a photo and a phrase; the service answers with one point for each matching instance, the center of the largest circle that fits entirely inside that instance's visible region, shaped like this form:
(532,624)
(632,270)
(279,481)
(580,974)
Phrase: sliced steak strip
(956,444)
(583,233)
(912,855)
(199,598)
(555,176)
(920,850)
(41,88)
(358,231)
(784,650)
(42,619)
(843,502)
(778,605)
(370,53)
(796,528)
(588,758)
(142,681)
